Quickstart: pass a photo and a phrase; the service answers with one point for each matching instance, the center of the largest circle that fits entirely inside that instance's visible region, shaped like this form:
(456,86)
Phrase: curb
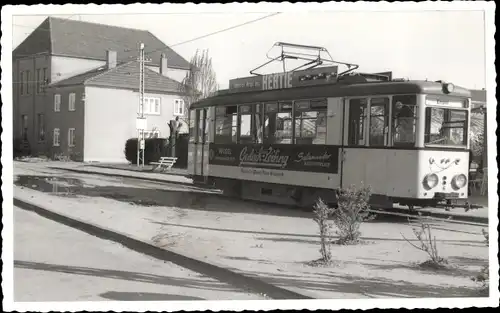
(156,180)
(220,273)
(465,218)
(134,171)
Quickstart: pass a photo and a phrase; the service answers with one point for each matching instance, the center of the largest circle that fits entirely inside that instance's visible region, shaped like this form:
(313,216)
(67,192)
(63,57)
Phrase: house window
(28,85)
(151,134)
(24,130)
(45,80)
(151,106)
(179,107)
(71,102)
(41,128)
(56,140)
(21,81)
(57,103)
(38,81)
(71,137)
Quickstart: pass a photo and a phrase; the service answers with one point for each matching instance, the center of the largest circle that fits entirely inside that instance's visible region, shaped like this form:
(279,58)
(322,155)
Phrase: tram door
(201,143)
(355,132)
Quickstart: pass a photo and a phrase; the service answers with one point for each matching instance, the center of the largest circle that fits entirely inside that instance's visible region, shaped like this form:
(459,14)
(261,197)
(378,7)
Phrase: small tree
(200,81)
(428,244)
(322,213)
(351,212)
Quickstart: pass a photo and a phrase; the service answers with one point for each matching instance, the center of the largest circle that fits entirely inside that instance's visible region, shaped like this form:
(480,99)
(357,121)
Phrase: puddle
(48,184)
(72,187)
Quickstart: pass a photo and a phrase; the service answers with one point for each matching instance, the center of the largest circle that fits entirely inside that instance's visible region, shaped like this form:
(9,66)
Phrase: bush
(352,210)
(428,245)
(154,149)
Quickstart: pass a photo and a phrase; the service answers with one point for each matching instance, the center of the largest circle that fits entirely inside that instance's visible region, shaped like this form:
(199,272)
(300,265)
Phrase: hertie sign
(315,76)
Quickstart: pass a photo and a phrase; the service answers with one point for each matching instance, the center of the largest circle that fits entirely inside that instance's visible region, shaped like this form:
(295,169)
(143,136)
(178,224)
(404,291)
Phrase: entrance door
(355,130)
(201,144)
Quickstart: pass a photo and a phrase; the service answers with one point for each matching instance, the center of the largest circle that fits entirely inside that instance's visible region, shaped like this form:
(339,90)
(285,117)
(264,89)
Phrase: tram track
(207,191)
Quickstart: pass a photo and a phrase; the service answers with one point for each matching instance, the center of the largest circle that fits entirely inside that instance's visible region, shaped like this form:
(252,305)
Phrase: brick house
(70,58)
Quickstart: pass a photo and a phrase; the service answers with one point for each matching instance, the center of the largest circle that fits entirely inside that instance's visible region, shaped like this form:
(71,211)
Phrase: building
(67,54)
(479,105)
(92,115)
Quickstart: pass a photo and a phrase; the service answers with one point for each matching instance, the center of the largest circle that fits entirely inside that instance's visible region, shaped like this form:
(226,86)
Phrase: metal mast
(141,123)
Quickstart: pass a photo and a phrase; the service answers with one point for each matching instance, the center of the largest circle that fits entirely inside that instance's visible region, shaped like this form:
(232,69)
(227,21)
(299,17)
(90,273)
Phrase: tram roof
(331,90)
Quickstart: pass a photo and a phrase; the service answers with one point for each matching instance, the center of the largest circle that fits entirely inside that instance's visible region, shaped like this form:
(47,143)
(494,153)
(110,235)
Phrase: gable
(39,41)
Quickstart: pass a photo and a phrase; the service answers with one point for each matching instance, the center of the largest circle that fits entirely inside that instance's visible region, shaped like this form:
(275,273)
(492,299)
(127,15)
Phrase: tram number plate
(443,195)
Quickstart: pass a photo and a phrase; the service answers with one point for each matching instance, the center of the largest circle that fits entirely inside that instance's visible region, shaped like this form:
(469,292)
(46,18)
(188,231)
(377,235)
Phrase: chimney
(163,64)
(111,59)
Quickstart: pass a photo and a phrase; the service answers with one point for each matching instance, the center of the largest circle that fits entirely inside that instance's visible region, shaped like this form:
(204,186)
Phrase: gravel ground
(271,243)
(57,263)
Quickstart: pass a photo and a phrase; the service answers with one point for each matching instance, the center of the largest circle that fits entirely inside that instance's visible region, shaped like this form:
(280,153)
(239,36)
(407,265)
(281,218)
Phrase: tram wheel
(411,208)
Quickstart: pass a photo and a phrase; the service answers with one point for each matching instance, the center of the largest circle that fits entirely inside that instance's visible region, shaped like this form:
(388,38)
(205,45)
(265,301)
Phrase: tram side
(294,151)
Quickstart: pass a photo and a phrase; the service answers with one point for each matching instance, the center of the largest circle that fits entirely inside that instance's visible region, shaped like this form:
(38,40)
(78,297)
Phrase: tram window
(379,110)
(357,118)
(278,123)
(246,124)
(192,123)
(404,120)
(445,126)
(310,124)
(226,124)
(201,124)
(257,123)
(207,124)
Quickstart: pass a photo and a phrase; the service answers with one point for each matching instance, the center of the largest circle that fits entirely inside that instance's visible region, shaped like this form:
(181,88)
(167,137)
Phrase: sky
(434,45)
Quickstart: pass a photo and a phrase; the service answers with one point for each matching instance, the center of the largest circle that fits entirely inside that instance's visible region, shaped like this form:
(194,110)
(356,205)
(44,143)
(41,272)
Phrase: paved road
(54,262)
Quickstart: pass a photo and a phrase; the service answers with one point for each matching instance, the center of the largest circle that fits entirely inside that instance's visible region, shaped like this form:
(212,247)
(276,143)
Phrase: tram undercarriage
(306,197)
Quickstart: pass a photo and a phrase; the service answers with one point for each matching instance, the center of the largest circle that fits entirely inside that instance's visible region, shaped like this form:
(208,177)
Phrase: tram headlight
(459,181)
(448,87)
(430,181)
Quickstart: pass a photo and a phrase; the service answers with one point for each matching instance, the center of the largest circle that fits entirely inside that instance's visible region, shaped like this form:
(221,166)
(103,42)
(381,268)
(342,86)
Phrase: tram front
(444,148)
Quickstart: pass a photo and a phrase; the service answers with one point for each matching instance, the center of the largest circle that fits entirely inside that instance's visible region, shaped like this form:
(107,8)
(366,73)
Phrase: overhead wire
(213,33)
(163,48)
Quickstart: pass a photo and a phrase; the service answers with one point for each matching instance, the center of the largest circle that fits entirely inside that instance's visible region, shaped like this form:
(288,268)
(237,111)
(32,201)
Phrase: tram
(296,136)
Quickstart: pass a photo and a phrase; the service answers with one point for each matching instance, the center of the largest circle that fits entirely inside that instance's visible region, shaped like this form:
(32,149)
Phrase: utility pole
(141,121)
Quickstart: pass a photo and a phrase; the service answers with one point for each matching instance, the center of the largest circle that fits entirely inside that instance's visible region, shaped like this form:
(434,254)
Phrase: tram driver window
(310,122)
(445,126)
(379,121)
(226,124)
(404,120)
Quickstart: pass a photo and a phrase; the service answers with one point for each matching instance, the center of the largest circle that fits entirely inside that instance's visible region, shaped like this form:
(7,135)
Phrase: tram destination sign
(315,76)
(304,158)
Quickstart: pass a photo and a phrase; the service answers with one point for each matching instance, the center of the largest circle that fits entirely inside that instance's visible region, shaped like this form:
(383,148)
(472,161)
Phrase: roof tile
(124,76)
(91,40)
